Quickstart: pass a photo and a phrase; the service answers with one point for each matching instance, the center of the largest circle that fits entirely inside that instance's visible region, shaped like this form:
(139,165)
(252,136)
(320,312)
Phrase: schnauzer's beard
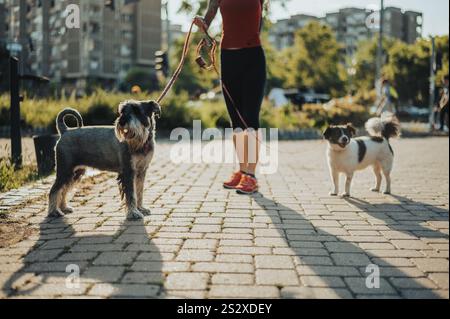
(133,133)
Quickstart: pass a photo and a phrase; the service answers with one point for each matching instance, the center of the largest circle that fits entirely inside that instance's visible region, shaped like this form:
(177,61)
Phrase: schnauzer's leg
(64,207)
(335,178)
(348,185)
(377,172)
(77,175)
(55,197)
(140,180)
(126,180)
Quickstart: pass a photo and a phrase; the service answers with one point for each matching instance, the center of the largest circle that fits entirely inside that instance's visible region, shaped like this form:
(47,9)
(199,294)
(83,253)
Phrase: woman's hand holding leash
(201,23)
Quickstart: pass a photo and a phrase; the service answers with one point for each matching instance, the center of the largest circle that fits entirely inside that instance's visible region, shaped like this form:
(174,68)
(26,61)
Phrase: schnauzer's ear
(327,133)
(151,107)
(351,129)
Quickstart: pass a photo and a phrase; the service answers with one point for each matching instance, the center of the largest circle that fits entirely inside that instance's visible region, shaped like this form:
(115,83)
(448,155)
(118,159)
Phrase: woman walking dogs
(244,77)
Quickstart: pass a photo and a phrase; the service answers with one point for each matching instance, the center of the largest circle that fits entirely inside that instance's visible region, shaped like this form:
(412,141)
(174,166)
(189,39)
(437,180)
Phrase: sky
(436,12)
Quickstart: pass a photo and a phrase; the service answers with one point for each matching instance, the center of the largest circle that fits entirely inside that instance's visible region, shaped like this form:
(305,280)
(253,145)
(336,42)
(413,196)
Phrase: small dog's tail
(387,126)
(61,124)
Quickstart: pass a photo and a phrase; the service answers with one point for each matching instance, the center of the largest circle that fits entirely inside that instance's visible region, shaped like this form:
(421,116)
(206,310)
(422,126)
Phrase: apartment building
(351,26)
(282,33)
(109,42)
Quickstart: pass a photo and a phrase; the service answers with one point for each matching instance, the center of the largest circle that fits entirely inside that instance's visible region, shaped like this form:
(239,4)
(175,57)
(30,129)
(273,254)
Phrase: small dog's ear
(327,133)
(151,107)
(351,129)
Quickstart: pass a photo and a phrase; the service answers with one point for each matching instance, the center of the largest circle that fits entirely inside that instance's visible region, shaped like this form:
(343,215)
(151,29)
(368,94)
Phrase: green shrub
(100,108)
(11,178)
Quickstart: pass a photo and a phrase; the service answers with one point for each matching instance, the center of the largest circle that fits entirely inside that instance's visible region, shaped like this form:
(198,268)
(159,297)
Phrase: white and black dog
(346,154)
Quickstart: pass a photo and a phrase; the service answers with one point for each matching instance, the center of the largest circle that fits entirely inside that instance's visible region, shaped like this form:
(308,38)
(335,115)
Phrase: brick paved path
(292,241)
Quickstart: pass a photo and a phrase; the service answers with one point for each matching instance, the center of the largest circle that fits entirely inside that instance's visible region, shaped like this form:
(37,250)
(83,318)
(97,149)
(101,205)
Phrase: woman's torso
(241,23)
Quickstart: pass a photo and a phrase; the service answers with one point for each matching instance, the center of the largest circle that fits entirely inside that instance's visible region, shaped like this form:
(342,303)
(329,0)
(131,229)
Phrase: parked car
(300,97)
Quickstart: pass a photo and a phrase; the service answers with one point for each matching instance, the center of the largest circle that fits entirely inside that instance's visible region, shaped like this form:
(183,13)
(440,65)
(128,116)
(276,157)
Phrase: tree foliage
(314,61)
(407,66)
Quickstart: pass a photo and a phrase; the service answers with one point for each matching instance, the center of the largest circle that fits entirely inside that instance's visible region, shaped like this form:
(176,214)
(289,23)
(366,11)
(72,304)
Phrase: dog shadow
(324,255)
(406,216)
(119,261)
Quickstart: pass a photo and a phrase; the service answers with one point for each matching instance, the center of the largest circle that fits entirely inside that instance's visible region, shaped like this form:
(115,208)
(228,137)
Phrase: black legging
(244,75)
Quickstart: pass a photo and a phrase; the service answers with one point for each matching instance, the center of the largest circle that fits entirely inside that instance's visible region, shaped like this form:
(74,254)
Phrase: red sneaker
(247,186)
(234,181)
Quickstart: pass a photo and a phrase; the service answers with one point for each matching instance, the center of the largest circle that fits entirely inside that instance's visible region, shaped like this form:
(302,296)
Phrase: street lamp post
(432,81)
(380,51)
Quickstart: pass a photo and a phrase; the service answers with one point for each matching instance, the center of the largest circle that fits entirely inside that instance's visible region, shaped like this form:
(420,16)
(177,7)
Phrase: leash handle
(177,72)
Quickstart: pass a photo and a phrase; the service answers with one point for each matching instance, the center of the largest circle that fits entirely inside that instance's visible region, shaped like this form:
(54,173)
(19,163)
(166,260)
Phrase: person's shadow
(90,256)
(322,254)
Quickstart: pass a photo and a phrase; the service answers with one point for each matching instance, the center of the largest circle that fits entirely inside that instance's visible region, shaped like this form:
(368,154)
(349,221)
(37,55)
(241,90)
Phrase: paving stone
(212,267)
(277,278)
(274,262)
(116,258)
(233,279)
(358,286)
(195,255)
(350,259)
(239,291)
(322,282)
(125,290)
(187,281)
(155,278)
(315,293)
(200,244)
(431,265)
(102,274)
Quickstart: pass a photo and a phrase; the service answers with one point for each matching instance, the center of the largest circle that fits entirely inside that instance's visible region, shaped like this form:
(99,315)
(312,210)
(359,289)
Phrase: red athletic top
(241,23)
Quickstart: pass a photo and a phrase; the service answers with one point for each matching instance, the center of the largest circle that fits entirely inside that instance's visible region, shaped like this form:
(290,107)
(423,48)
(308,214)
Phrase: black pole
(16,138)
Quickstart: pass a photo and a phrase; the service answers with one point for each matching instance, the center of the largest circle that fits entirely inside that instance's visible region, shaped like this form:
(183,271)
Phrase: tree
(314,61)
(407,66)
(143,78)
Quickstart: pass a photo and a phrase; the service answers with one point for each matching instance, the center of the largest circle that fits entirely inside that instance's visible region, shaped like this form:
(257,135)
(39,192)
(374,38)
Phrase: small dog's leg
(335,179)
(387,176)
(348,185)
(127,182)
(377,172)
(140,181)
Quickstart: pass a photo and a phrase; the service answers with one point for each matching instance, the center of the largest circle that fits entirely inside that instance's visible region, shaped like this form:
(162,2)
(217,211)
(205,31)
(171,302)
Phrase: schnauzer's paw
(144,211)
(57,213)
(387,192)
(135,214)
(333,194)
(67,210)
(375,190)
(345,195)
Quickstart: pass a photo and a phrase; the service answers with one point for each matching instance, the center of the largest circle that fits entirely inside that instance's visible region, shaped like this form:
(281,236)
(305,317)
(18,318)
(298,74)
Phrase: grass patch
(10,178)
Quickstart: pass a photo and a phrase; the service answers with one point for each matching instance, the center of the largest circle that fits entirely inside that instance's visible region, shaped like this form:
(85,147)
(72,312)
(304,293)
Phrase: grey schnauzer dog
(126,148)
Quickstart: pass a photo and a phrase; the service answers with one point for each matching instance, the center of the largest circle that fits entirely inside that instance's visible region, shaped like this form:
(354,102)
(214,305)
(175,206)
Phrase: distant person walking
(244,76)
(386,103)
(444,104)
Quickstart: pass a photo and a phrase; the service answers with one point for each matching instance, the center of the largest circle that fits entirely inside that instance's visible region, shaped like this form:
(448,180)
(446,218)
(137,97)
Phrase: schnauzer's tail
(61,124)
(387,126)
